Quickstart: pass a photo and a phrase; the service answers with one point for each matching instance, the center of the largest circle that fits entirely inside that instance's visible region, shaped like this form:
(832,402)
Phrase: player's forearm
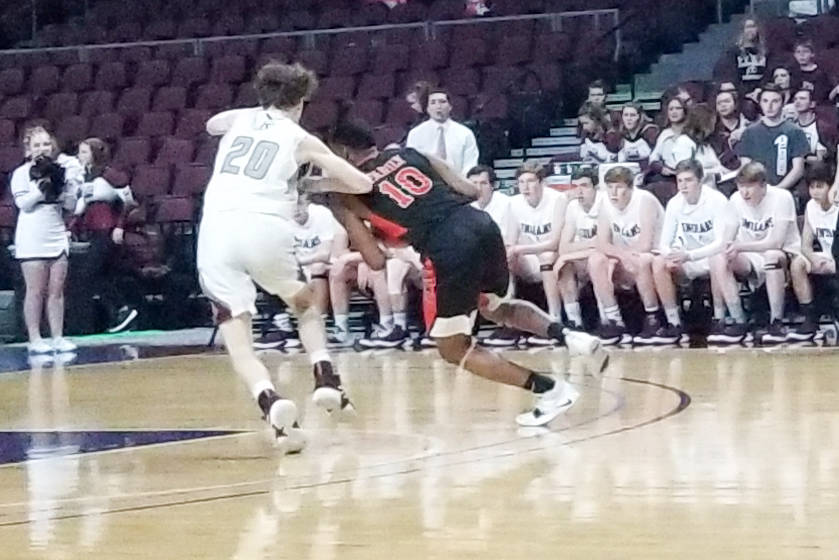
(326,185)
(577,255)
(537,248)
(318,257)
(791,179)
(572,247)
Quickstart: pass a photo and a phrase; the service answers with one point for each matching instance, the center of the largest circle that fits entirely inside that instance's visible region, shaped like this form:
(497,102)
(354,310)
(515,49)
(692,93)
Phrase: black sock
(810,312)
(325,376)
(265,399)
(539,383)
(555,332)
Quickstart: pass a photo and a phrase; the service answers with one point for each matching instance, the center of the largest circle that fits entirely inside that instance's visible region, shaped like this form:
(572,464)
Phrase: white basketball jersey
(585,223)
(823,223)
(255,165)
(755,223)
(320,227)
(811,131)
(535,225)
(695,226)
(499,209)
(626,223)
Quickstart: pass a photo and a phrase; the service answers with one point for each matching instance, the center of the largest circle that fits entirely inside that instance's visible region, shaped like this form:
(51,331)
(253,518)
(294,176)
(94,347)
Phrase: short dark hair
(771,88)
(752,172)
(801,88)
(284,85)
(620,174)
(806,43)
(598,84)
(819,172)
(586,172)
(354,134)
(532,167)
(437,91)
(478,169)
(692,166)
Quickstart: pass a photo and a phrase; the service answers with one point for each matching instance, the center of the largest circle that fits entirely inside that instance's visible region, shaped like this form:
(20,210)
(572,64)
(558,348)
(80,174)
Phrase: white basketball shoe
(583,344)
(549,405)
(283,418)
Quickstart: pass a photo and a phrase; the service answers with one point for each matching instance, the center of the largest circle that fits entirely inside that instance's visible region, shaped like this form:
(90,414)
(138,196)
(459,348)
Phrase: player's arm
(646,239)
(807,238)
(343,177)
(349,211)
(604,238)
(220,123)
(791,179)
(452,178)
(725,228)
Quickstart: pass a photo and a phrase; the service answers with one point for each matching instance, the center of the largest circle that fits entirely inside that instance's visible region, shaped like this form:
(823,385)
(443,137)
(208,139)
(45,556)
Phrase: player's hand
(735,136)
(676,258)
(833,194)
(731,250)
(821,265)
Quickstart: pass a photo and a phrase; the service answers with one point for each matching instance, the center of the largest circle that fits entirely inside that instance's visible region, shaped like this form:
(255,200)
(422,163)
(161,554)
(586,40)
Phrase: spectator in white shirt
(443,137)
(496,204)
(662,162)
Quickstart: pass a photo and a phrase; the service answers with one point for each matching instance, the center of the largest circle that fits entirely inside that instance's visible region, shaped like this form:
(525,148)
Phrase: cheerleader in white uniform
(41,243)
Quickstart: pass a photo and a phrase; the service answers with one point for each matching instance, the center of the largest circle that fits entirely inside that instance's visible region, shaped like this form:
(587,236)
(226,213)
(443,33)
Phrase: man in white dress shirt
(443,137)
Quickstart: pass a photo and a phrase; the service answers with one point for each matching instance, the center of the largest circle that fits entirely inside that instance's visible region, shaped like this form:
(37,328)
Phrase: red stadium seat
(429,55)
(279,45)
(377,86)
(468,52)
(161,29)
(96,102)
(159,123)
(151,180)
(136,53)
(73,129)
(487,106)
(336,88)
(173,51)
(320,114)
(108,126)
(134,101)
(297,20)
(339,17)
(11,81)
(132,151)
(386,58)
(513,49)
(111,76)
(554,47)
(348,61)
(389,134)
(191,179)
(44,79)
(496,79)
(229,69)
(126,32)
(246,96)
(206,152)
(7,132)
(195,27)
(368,110)
(408,12)
(232,47)
(314,60)
(152,73)
(17,108)
(400,113)
(11,157)
(8,216)
(261,23)
(229,24)
(214,96)
(192,123)
(77,77)
(174,150)
(461,81)
(169,98)
(188,71)
(60,105)
(446,9)
(172,209)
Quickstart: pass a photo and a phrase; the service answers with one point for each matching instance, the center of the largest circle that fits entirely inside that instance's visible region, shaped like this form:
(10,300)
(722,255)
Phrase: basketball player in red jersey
(421,200)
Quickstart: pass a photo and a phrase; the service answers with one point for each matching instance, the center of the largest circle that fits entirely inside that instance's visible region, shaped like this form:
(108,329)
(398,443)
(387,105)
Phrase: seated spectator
(696,144)
(538,214)
(816,258)
(578,240)
(662,162)
(494,203)
(695,223)
(313,237)
(348,270)
(758,251)
(731,124)
(808,74)
(745,63)
(597,95)
(782,79)
(818,134)
(593,125)
(628,228)
(637,135)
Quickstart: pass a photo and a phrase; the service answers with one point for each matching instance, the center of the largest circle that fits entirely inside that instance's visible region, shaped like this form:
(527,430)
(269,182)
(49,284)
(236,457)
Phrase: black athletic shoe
(669,334)
(125,316)
(776,333)
(329,395)
(271,341)
(611,333)
(648,333)
(502,338)
(805,331)
(393,338)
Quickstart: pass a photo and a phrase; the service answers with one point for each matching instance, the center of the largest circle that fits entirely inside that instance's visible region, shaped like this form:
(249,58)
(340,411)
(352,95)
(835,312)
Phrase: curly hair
(284,85)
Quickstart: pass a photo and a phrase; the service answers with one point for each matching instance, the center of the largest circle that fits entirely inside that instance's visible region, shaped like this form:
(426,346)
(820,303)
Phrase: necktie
(441,143)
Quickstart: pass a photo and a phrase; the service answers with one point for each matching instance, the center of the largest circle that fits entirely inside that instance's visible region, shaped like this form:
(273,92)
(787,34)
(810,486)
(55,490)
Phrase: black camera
(50,177)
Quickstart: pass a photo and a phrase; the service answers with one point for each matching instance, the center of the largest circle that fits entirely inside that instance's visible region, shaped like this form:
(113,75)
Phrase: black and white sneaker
(775,334)
(282,416)
(393,338)
(502,338)
(806,331)
(271,341)
(549,405)
(125,316)
(734,333)
(647,336)
(669,334)
(611,333)
(329,394)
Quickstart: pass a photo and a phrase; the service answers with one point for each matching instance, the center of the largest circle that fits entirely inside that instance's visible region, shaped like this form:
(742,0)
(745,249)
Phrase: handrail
(430,28)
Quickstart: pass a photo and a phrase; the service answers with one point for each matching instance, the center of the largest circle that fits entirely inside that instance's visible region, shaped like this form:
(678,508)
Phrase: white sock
(653,309)
(261,386)
(737,312)
(319,356)
(386,321)
(342,322)
(673,316)
(573,311)
(401,319)
(719,312)
(613,313)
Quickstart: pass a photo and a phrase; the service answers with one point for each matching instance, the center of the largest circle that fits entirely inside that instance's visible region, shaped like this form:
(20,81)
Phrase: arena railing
(605,20)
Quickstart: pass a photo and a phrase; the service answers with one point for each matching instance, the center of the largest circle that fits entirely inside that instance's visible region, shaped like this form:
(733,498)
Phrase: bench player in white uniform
(316,228)
(496,204)
(578,240)
(628,228)
(766,239)
(247,234)
(695,223)
(347,269)
(820,220)
(538,214)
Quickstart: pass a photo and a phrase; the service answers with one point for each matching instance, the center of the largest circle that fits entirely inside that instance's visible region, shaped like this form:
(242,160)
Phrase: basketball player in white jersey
(695,223)
(578,241)
(765,240)
(538,215)
(316,228)
(628,228)
(348,269)
(247,234)
(494,203)
(820,219)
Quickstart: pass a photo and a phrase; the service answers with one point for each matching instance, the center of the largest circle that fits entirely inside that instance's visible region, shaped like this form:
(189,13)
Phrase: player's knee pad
(773,265)
(544,267)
